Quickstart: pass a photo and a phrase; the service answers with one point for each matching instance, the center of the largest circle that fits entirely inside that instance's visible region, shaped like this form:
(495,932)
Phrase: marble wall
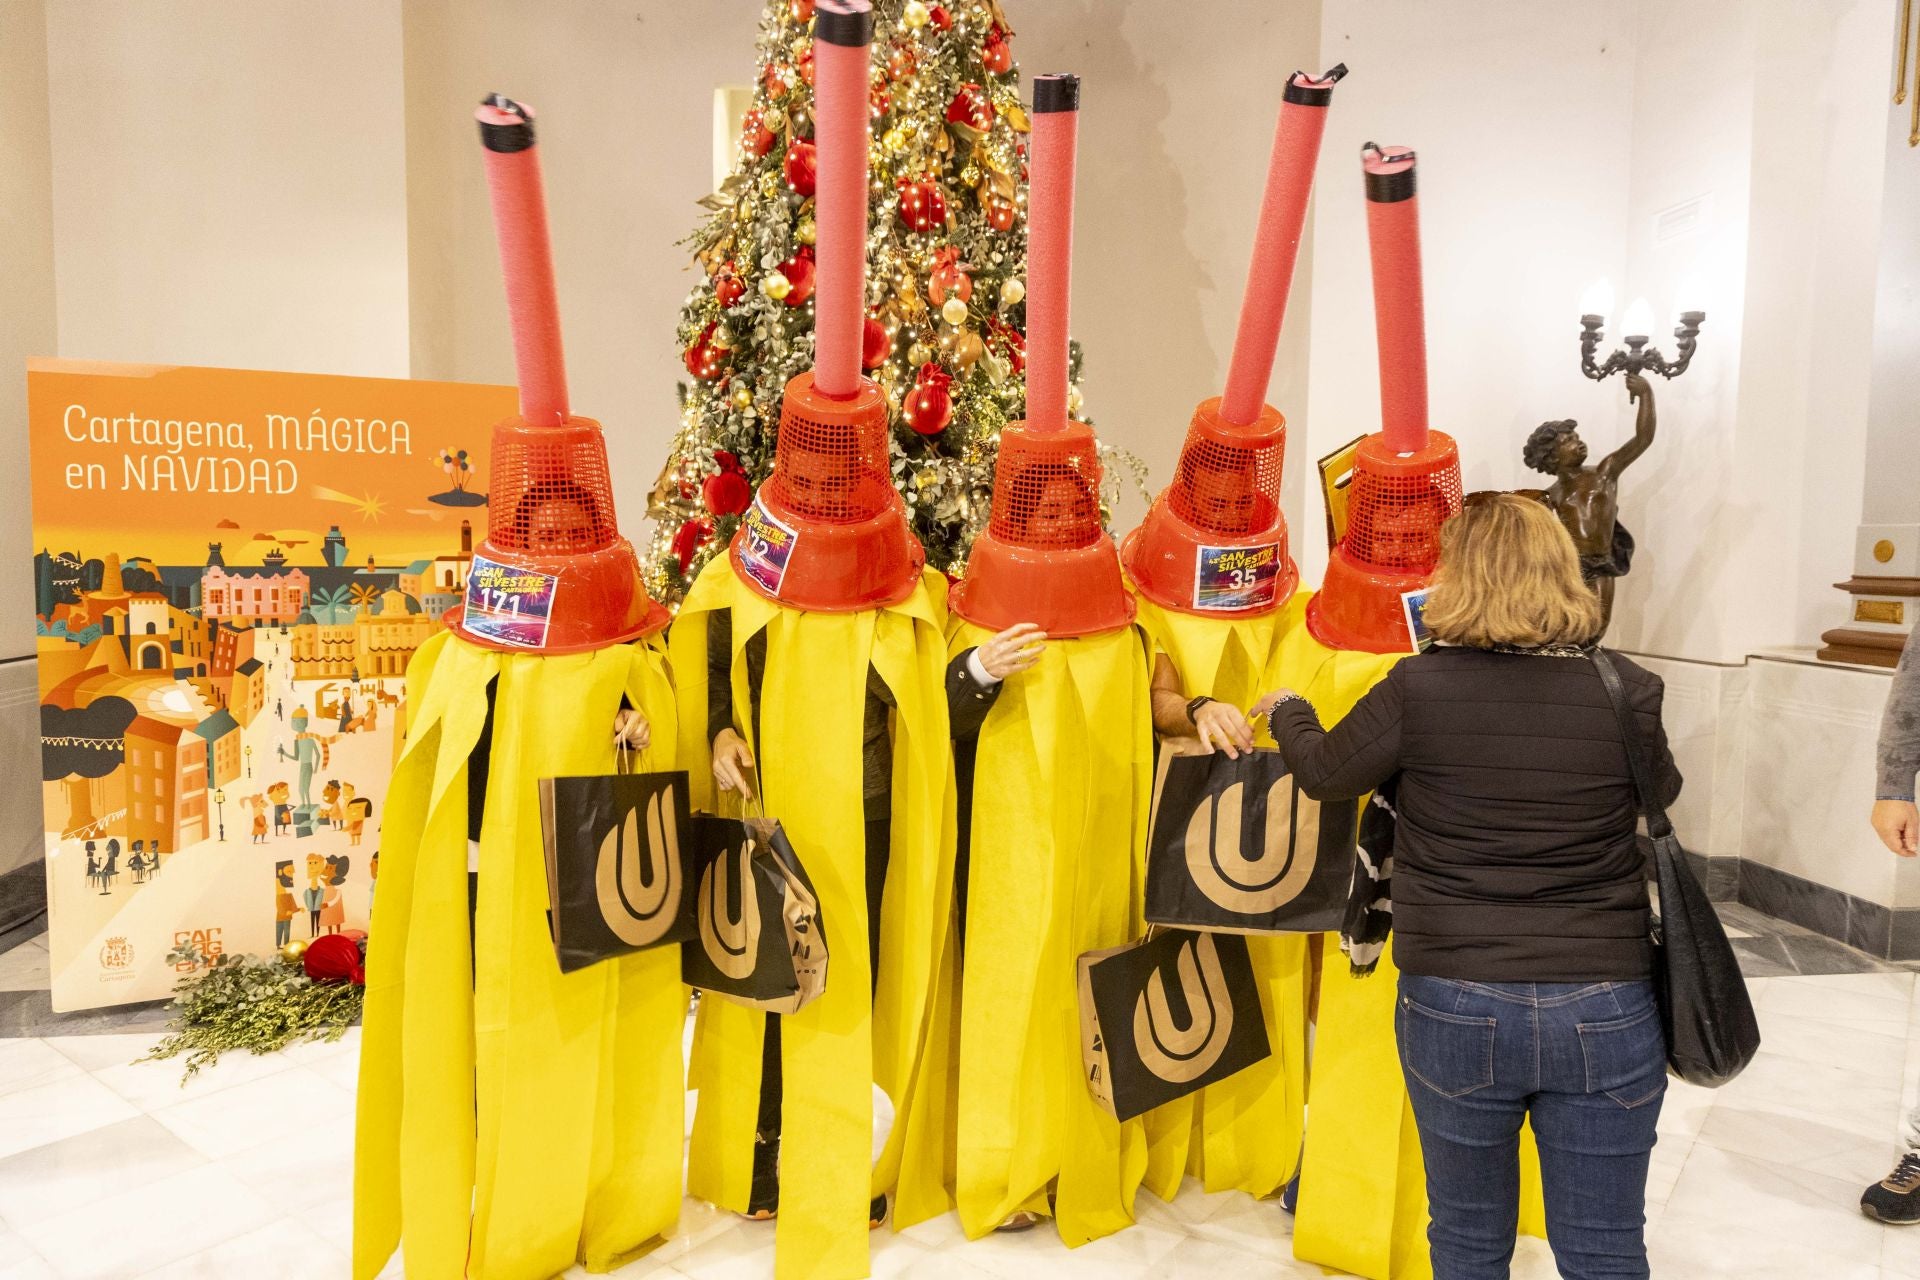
(1778,754)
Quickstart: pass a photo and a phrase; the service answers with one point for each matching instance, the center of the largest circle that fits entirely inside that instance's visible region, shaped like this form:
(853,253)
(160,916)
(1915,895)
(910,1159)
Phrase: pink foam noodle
(1050,163)
(526,257)
(1283,215)
(842,32)
(1399,311)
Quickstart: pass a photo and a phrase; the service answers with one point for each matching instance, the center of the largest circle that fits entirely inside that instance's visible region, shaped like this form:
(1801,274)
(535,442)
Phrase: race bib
(1236,577)
(509,605)
(766,545)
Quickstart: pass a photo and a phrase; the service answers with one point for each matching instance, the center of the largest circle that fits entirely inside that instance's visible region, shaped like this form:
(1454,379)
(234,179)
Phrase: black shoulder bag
(1712,1033)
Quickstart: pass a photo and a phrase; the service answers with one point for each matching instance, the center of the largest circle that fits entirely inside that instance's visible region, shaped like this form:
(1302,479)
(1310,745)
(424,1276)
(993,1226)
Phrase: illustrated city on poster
(224,615)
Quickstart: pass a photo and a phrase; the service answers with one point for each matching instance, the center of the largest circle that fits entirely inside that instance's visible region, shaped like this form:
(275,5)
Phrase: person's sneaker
(1290,1194)
(877,1210)
(1896,1197)
(763,1201)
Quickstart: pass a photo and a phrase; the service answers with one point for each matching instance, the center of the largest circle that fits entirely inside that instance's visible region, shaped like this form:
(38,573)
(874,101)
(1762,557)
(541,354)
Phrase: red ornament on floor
(928,408)
(334,957)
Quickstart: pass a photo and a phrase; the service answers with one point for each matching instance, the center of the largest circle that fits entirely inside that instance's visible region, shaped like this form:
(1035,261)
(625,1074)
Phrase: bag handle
(1659,826)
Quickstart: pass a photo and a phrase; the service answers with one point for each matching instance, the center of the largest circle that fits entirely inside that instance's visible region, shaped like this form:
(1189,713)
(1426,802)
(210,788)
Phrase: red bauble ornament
(728,460)
(873,344)
(687,540)
(996,55)
(800,10)
(928,408)
(334,957)
(801,166)
(726,494)
(799,271)
(941,19)
(728,287)
(948,276)
(922,207)
(879,101)
(1000,214)
(806,66)
(755,138)
(971,108)
(901,62)
(775,79)
(705,360)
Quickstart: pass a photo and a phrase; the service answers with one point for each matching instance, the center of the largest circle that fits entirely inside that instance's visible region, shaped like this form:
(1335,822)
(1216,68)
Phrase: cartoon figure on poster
(1215,579)
(515,1120)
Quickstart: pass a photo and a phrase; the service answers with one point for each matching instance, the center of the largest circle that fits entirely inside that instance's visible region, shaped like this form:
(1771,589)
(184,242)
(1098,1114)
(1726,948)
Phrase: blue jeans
(1587,1063)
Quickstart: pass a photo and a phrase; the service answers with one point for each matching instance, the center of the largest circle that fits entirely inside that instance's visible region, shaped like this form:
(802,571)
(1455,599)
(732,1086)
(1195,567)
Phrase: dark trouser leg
(1594,1118)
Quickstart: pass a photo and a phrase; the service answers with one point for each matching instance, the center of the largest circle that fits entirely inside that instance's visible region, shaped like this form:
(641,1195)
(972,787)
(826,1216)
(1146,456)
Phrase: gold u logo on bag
(732,945)
(1180,1055)
(1270,879)
(640,900)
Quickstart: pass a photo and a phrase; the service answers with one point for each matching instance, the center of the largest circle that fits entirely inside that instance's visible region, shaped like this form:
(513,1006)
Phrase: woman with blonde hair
(1519,895)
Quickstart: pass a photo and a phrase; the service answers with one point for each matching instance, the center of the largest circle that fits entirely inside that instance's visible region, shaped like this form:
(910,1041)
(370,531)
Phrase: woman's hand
(631,729)
(1266,705)
(1014,650)
(733,763)
(1221,727)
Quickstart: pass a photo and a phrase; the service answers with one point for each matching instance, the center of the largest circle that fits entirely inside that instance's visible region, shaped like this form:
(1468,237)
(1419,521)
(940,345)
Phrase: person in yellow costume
(834,723)
(514,1120)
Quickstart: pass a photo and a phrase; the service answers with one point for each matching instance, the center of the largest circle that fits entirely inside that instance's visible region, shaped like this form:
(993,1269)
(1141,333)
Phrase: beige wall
(27,317)
(228,183)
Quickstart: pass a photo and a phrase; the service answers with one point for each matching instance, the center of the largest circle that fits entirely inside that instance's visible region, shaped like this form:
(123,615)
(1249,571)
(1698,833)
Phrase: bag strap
(1658,824)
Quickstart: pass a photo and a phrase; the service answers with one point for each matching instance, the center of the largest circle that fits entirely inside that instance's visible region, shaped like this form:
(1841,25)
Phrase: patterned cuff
(978,670)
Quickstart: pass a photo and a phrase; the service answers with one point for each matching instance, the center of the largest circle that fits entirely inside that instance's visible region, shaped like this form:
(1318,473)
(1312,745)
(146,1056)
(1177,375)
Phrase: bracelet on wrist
(1193,708)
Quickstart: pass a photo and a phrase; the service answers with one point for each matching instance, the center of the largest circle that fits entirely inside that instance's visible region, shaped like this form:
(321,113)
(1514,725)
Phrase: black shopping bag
(1165,1017)
(758,936)
(616,871)
(1235,846)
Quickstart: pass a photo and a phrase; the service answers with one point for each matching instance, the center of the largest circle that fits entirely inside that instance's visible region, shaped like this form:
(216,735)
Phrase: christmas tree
(946,265)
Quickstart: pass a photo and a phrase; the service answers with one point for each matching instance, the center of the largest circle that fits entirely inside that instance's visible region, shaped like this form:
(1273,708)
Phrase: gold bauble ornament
(954,311)
(722,337)
(806,231)
(776,285)
(1013,291)
(294,950)
(894,140)
(916,14)
(970,175)
(769,184)
(918,354)
(742,397)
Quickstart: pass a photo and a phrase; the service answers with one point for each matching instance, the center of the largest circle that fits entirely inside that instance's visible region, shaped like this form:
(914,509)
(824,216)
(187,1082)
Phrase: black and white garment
(1369,916)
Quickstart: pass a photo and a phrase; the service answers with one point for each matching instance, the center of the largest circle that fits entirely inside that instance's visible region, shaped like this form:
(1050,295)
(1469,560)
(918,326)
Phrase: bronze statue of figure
(1587,499)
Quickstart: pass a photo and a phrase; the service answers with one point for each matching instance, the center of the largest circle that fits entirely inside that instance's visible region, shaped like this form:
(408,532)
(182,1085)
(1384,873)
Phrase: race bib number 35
(1236,577)
(766,545)
(509,605)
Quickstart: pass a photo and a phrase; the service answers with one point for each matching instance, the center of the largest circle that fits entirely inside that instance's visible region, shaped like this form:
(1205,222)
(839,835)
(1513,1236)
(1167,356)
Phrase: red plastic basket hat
(1044,556)
(827,531)
(1215,541)
(550,518)
(1406,478)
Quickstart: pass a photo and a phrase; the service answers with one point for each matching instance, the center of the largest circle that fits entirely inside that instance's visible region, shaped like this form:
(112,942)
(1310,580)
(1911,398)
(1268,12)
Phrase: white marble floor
(112,1169)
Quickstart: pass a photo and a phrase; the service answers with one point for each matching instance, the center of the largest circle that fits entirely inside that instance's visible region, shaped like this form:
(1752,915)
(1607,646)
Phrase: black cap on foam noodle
(844,22)
(1059,91)
(506,138)
(1389,188)
(1305,91)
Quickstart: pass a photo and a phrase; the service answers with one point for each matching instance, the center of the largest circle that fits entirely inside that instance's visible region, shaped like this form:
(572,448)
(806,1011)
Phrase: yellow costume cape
(512,1120)
(832,1051)
(1244,1133)
(1062,780)
(1363,1191)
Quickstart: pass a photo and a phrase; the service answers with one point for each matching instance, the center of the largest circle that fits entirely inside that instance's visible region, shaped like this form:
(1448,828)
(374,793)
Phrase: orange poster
(232,571)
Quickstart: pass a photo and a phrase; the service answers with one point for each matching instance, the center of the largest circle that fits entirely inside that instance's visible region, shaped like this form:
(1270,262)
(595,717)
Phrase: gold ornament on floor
(292,951)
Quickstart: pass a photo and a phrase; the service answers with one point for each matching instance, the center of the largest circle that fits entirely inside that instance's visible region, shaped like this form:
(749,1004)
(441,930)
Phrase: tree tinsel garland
(260,1006)
(946,286)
